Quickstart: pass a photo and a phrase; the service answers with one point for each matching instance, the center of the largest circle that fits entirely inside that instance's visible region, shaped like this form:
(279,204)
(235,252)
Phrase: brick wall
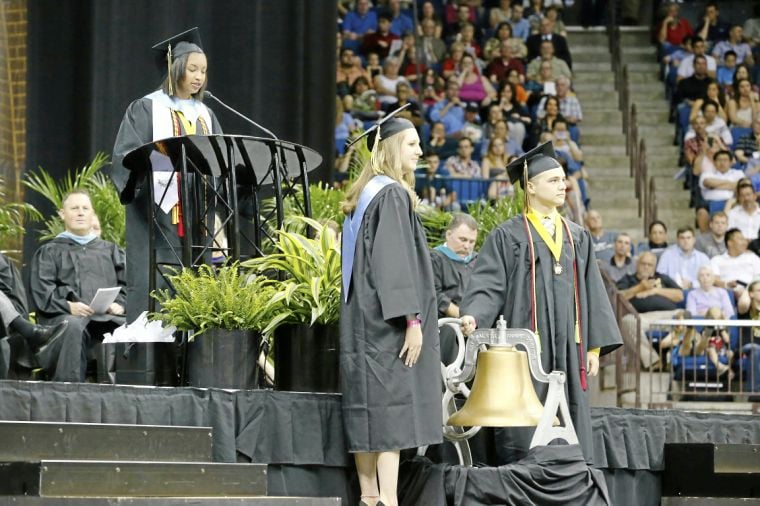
(13,28)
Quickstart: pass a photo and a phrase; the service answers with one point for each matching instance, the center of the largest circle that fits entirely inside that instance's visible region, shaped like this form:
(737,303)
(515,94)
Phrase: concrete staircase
(610,186)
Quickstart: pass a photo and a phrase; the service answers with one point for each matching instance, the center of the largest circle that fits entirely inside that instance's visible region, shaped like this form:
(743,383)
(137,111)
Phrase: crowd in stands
(487,80)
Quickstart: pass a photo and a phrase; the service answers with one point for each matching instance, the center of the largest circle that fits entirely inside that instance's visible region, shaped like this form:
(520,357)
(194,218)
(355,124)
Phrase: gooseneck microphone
(208,94)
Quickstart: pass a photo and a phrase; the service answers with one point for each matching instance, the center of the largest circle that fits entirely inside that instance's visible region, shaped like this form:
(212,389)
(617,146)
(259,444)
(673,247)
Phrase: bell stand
(455,378)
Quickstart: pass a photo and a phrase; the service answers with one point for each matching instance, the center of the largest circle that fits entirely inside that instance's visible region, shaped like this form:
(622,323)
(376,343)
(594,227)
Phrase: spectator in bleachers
(411,69)
(714,124)
(719,185)
(752,29)
(693,87)
(373,66)
(386,83)
(451,63)
(673,28)
(433,191)
(516,80)
(569,105)
(735,43)
(742,72)
(462,164)
(552,14)
(549,114)
(712,243)
(439,143)
(748,146)
(657,239)
(699,151)
(504,61)
(558,66)
(344,126)
(450,110)
(472,128)
(520,25)
(349,69)
(743,105)
(746,215)
(715,342)
(712,29)
(534,13)
(536,42)
(433,88)
(681,336)
(427,13)
(500,14)
(681,262)
(500,130)
(495,158)
(567,147)
(400,22)
(514,113)
(621,264)
(503,36)
(362,102)
(380,41)
(604,240)
(687,66)
(413,112)
(358,23)
(737,267)
(431,49)
(467,38)
(473,86)
(456,16)
(706,295)
(715,94)
(726,69)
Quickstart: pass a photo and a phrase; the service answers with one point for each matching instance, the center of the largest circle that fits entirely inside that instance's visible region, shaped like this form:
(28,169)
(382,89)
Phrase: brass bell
(502,394)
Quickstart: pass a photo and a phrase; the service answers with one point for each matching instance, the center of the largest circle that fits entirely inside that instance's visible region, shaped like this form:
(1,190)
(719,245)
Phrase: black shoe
(46,334)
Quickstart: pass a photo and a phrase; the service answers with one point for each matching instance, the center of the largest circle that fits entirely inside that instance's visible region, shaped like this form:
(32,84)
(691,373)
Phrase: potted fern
(224,310)
(304,309)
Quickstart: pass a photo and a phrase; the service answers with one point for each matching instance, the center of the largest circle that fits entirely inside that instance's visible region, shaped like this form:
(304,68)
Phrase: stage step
(711,470)
(169,501)
(30,441)
(67,478)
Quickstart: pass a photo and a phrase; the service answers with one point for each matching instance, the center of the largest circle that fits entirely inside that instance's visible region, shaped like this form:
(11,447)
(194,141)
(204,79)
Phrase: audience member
(714,94)
(559,48)
(681,262)
(748,146)
(558,66)
(604,240)
(550,114)
(657,239)
(743,105)
(503,38)
(380,41)
(386,83)
(431,50)
(719,185)
(462,164)
(500,13)
(687,67)
(439,143)
(712,29)
(569,105)
(401,24)
(450,110)
(514,113)
(520,25)
(499,67)
(714,124)
(358,23)
(66,272)
(495,158)
(474,87)
(737,267)
(621,264)
(349,69)
(735,43)
(706,295)
(712,243)
(451,62)
(726,69)
(673,28)
(427,13)
(362,102)
(467,38)
(716,343)
(746,215)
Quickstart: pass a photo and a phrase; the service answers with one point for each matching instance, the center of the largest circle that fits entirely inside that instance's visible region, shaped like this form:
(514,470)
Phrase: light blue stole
(353,223)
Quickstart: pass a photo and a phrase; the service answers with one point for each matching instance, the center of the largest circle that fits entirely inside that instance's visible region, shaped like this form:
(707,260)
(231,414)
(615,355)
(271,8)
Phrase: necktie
(548,224)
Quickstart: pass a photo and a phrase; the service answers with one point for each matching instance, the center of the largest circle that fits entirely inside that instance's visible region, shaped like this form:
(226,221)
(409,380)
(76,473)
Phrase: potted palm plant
(223,308)
(304,309)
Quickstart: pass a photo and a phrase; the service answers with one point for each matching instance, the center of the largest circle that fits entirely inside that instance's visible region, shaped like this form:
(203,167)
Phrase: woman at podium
(174,110)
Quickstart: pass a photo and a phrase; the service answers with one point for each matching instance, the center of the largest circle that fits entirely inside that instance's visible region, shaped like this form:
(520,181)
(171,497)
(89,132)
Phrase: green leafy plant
(206,298)
(13,215)
(434,221)
(105,198)
(308,271)
(491,215)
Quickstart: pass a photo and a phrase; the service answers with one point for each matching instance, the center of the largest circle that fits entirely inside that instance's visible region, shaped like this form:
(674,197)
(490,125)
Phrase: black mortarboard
(389,125)
(539,159)
(188,41)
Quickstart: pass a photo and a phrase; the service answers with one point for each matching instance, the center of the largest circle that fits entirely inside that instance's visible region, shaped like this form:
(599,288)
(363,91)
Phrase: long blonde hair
(385,160)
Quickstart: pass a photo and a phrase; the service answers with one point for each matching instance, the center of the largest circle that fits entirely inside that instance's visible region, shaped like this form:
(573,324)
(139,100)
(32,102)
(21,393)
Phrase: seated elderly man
(66,274)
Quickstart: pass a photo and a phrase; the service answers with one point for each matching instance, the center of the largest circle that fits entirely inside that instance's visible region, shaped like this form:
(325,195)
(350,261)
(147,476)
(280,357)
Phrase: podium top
(216,155)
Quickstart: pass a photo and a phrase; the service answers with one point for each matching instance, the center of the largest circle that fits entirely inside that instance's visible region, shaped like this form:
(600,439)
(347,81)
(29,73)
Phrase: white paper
(141,331)
(103,299)
(163,176)
(550,88)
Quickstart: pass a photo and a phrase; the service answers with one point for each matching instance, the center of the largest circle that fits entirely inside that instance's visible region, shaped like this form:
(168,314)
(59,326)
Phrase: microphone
(208,94)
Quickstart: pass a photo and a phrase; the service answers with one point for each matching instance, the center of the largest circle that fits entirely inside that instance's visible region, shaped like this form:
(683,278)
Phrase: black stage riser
(169,501)
(708,501)
(31,441)
(711,470)
(67,478)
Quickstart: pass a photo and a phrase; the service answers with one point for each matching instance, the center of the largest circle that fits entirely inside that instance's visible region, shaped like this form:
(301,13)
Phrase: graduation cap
(181,44)
(389,125)
(534,162)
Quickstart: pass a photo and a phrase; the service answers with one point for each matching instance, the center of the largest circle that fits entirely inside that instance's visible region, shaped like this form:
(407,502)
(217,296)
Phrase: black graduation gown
(136,130)
(386,405)
(63,270)
(12,286)
(450,282)
(501,285)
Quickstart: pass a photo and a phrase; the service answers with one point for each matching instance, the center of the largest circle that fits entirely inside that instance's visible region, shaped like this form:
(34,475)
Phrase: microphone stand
(216,99)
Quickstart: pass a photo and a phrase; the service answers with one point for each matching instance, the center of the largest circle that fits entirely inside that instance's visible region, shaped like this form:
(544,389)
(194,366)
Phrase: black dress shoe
(45,334)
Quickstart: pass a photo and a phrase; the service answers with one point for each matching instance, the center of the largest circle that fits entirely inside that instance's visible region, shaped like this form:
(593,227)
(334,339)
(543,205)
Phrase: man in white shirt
(714,124)
(681,262)
(686,67)
(720,184)
(745,216)
(737,267)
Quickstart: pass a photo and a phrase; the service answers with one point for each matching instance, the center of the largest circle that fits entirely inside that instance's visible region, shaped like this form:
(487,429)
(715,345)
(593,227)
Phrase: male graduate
(539,271)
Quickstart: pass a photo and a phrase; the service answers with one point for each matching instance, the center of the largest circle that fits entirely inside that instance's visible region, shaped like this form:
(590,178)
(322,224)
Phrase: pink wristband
(413,323)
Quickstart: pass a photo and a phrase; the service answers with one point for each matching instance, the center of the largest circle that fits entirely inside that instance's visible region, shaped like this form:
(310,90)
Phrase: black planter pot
(222,358)
(306,358)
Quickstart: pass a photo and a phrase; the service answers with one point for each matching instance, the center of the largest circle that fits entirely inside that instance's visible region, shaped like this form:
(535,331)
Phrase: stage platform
(300,435)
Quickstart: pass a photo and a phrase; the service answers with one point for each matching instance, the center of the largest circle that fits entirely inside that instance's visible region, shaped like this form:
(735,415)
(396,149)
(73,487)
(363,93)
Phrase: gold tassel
(169,69)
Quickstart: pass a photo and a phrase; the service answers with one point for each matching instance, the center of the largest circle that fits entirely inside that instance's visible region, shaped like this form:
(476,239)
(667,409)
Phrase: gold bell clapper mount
(502,394)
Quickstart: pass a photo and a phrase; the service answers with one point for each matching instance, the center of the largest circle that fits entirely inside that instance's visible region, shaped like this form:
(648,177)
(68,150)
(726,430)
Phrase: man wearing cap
(174,110)
(539,271)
